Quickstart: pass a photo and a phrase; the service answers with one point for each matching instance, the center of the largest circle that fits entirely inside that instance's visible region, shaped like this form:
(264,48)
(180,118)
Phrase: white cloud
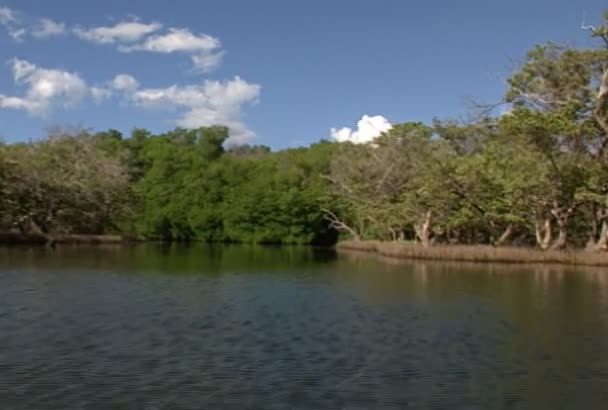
(202,48)
(10,21)
(123,32)
(212,103)
(124,82)
(177,40)
(196,105)
(121,82)
(7,16)
(45,88)
(368,128)
(207,104)
(128,35)
(100,93)
(18,29)
(17,33)
(21,69)
(18,103)
(207,61)
(48,28)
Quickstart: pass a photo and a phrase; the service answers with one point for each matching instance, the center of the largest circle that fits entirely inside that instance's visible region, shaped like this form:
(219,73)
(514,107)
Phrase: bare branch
(338,224)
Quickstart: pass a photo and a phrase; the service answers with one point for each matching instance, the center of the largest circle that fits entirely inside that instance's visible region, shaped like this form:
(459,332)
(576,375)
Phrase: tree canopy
(535,175)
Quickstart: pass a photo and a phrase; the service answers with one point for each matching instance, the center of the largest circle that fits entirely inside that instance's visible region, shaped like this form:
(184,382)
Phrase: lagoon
(192,327)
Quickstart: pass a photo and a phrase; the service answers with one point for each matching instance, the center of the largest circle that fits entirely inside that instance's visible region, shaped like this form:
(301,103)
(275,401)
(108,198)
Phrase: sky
(277,72)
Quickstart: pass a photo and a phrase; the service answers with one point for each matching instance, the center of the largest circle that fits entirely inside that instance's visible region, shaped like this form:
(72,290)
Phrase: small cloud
(124,82)
(12,24)
(48,28)
(202,48)
(207,61)
(123,32)
(18,29)
(176,40)
(368,128)
(100,94)
(121,82)
(17,34)
(7,16)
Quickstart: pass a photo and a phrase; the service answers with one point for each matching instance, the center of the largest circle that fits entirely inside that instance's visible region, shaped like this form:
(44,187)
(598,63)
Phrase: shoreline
(476,253)
(14,238)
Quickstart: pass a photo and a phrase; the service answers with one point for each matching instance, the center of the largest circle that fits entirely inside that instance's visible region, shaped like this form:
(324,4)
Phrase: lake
(215,327)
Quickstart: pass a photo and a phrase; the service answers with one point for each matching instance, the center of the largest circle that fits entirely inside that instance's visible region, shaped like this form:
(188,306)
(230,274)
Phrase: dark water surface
(152,327)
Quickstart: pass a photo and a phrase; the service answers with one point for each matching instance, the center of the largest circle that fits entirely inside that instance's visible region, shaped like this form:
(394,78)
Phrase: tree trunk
(602,243)
(562,237)
(423,230)
(561,217)
(543,234)
(599,241)
(40,230)
(506,235)
(393,234)
(593,235)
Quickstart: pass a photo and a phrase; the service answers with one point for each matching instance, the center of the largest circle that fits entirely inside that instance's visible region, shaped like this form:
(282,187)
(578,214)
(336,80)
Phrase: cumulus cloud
(368,128)
(196,105)
(45,88)
(212,103)
(204,104)
(122,32)
(202,48)
(48,28)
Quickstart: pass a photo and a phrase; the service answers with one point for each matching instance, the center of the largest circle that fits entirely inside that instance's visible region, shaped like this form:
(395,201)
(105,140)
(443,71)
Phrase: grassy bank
(476,253)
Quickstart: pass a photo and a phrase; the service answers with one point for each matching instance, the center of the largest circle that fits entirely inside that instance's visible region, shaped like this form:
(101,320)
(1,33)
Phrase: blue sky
(280,73)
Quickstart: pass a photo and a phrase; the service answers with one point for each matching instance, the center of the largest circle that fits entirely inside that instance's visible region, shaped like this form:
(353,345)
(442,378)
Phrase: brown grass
(477,253)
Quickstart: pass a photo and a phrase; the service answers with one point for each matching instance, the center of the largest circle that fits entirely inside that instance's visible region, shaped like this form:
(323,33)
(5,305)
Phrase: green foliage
(538,169)
(193,190)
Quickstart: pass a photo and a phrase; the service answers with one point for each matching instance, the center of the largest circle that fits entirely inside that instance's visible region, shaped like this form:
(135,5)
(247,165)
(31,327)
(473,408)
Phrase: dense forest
(535,175)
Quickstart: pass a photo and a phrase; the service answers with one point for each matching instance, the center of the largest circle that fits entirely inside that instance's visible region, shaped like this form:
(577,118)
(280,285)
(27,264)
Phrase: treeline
(181,185)
(536,175)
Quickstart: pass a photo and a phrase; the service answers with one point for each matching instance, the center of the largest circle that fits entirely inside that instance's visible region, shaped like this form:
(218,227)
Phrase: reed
(477,253)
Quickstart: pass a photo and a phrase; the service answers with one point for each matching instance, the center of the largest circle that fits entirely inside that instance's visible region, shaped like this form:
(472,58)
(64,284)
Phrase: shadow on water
(169,258)
(183,327)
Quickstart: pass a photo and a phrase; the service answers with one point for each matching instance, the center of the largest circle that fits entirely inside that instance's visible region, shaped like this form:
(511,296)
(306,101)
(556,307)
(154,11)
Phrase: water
(152,327)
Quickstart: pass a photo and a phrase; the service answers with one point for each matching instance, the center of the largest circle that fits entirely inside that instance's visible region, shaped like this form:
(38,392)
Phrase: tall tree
(556,100)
